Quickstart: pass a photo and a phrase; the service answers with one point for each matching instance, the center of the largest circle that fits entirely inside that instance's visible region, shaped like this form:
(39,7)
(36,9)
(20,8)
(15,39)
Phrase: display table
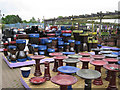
(28,62)
(79,85)
(88,75)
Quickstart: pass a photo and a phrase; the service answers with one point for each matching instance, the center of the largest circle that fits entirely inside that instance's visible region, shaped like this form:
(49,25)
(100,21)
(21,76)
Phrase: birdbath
(84,54)
(68,70)
(110,61)
(98,64)
(85,61)
(110,56)
(55,54)
(64,80)
(113,68)
(37,59)
(68,53)
(71,62)
(96,50)
(105,52)
(88,75)
(74,56)
(105,49)
(58,62)
(98,57)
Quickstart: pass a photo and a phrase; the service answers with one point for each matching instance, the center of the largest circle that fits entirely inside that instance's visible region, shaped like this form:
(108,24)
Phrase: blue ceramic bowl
(66,34)
(68,69)
(43,40)
(11,47)
(25,71)
(22,60)
(48,41)
(60,38)
(53,38)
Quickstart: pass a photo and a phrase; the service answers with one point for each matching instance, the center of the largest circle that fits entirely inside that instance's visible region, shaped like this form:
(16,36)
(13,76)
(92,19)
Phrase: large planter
(83,38)
(76,34)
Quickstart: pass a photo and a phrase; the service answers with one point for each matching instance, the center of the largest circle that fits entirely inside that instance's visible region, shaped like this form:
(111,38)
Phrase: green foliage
(60,16)
(32,20)
(11,19)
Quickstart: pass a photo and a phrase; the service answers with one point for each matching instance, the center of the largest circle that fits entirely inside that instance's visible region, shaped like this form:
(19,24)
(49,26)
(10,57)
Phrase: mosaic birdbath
(64,80)
(110,61)
(98,64)
(85,54)
(98,57)
(71,62)
(74,56)
(85,61)
(113,68)
(105,49)
(88,75)
(68,70)
(96,50)
(58,62)
(37,59)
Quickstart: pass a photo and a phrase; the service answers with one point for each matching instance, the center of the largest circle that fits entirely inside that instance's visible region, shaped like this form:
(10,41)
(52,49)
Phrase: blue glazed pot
(42,53)
(60,38)
(48,41)
(20,41)
(43,40)
(71,41)
(53,38)
(77,42)
(50,50)
(42,47)
(29,58)
(11,47)
(34,35)
(25,71)
(60,42)
(22,60)
(66,34)
(34,45)
(66,43)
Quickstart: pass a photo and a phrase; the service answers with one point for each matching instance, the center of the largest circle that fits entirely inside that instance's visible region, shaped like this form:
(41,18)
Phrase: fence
(23,25)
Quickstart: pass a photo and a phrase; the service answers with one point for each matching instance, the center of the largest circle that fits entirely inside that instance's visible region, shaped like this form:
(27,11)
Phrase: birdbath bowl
(84,54)
(88,75)
(96,50)
(111,60)
(37,80)
(85,61)
(68,53)
(98,57)
(106,52)
(71,62)
(116,49)
(110,56)
(113,68)
(37,59)
(55,54)
(74,56)
(64,80)
(98,64)
(68,69)
(105,49)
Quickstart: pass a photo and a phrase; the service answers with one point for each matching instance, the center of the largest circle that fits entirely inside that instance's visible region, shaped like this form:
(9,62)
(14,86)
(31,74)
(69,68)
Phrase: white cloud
(53,8)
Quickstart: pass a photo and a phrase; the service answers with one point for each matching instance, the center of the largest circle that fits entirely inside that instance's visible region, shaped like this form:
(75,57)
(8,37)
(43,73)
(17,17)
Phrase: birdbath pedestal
(37,59)
(88,75)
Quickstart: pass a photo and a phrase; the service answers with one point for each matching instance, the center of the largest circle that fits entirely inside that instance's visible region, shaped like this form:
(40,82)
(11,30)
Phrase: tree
(32,20)
(11,19)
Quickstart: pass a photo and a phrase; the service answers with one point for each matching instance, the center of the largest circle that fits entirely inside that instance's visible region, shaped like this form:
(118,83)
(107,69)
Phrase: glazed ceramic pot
(66,36)
(54,42)
(77,46)
(34,38)
(25,71)
(72,44)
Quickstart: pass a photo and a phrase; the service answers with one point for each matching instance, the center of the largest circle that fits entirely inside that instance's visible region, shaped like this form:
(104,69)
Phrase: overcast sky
(27,9)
